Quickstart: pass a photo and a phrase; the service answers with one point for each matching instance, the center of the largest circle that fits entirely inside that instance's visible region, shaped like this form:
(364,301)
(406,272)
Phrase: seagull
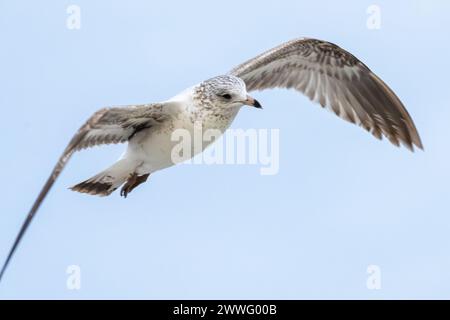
(324,72)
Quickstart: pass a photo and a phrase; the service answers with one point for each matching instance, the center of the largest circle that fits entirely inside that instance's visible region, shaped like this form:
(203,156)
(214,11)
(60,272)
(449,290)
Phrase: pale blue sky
(342,200)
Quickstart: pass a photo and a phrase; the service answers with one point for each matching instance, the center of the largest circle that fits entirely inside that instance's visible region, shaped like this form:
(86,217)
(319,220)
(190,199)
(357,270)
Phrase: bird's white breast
(152,148)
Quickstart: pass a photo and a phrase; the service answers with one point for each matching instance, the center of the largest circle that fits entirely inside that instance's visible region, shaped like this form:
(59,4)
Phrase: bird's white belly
(153,150)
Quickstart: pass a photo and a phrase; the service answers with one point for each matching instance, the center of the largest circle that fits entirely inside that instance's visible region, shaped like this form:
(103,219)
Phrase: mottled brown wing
(106,126)
(336,79)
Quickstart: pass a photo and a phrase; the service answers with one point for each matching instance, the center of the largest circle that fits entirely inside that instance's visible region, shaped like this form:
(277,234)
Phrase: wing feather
(338,81)
(106,126)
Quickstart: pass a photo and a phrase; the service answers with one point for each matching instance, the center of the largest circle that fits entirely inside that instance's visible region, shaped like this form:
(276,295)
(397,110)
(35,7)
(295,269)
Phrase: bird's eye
(226,96)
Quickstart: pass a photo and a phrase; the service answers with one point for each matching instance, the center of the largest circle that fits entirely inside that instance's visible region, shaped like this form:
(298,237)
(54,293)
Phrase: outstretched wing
(106,126)
(336,79)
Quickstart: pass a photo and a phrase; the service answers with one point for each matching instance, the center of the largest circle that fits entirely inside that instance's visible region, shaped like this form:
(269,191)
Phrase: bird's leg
(133,181)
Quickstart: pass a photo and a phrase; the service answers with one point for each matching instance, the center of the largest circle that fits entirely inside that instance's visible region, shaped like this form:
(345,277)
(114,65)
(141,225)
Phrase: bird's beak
(252,102)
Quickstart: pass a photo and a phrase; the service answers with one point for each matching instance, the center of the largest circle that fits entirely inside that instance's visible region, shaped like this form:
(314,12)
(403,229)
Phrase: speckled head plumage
(224,91)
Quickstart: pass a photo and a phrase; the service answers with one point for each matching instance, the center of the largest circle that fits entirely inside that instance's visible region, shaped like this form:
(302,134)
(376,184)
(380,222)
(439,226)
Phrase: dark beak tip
(257,105)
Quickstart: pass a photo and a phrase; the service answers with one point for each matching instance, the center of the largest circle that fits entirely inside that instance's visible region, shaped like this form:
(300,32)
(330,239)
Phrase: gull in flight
(324,72)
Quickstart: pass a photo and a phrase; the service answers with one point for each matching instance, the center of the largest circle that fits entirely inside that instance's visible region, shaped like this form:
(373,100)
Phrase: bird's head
(227,91)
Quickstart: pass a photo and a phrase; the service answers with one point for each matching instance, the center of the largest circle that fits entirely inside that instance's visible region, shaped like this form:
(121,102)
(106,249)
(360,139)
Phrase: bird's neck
(199,108)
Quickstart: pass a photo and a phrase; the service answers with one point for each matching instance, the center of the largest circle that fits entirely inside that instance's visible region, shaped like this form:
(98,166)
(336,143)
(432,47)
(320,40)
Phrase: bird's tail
(104,183)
